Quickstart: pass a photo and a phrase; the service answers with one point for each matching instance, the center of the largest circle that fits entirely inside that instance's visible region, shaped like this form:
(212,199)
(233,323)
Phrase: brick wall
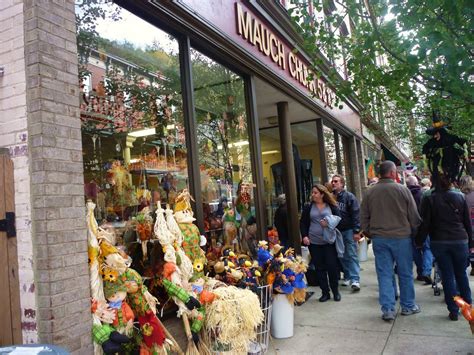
(14,136)
(58,212)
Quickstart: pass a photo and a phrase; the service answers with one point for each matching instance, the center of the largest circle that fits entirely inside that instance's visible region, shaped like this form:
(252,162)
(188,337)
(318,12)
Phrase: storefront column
(190,129)
(338,152)
(289,174)
(361,163)
(322,151)
(355,169)
(58,221)
(256,157)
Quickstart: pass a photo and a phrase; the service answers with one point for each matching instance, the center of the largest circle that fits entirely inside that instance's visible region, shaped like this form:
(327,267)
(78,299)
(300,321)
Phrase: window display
(132,122)
(224,154)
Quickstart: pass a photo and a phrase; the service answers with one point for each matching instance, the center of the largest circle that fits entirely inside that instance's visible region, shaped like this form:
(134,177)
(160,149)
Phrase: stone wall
(14,136)
(40,124)
(58,212)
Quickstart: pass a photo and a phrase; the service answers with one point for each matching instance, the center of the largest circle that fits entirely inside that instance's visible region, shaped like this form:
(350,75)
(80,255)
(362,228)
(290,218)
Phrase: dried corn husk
(97,288)
(233,317)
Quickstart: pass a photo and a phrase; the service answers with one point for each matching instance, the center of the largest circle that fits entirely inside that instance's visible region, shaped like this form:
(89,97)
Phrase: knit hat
(111,288)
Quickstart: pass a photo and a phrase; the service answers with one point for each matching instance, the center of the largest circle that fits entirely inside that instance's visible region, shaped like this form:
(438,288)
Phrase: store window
(306,164)
(132,121)
(224,149)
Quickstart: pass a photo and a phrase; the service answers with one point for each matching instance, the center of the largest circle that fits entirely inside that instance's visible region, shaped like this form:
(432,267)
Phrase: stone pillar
(355,167)
(57,187)
(322,151)
(289,174)
(361,163)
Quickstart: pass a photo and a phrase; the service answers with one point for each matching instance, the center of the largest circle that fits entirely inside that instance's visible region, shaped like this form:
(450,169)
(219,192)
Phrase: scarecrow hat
(438,124)
(111,288)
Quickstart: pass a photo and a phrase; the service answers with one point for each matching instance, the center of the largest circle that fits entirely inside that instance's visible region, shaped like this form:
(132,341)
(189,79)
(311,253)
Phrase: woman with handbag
(323,254)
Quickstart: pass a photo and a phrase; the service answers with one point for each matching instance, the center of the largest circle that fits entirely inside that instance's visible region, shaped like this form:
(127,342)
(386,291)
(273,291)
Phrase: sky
(134,30)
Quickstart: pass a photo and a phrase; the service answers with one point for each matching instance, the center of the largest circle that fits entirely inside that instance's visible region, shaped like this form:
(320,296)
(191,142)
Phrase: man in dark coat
(423,257)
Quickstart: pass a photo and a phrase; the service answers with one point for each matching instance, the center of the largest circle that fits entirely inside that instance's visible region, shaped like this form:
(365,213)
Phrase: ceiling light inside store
(239,144)
(270,152)
(143,132)
(272,120)
(236,144)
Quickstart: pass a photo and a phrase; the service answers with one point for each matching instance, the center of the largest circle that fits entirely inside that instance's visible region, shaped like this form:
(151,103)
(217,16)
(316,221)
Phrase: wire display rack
(259,346)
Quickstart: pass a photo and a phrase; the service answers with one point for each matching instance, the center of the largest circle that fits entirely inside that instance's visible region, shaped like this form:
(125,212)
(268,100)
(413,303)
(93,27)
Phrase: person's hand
(306,241)
(471,250)
(323,223)
(357,236)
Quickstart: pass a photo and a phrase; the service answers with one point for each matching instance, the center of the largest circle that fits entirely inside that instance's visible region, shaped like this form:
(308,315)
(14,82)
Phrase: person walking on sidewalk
(389,215)
(467,188)
(323,254)
(349,226)
(423,256)
(446,218)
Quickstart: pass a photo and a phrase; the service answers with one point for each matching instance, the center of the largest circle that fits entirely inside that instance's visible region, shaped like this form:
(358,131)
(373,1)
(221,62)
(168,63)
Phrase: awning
(388,155)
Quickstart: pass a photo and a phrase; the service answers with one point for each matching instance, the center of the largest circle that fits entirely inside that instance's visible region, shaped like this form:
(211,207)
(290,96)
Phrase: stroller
(436,279)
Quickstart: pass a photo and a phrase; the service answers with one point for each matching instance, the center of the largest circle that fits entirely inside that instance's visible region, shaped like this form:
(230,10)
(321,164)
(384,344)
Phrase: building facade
(233,117)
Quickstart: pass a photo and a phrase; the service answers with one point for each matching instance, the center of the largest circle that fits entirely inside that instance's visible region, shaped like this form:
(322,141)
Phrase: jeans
(452,261)
(325,261)
(423,259)
(389,252)
(350,261)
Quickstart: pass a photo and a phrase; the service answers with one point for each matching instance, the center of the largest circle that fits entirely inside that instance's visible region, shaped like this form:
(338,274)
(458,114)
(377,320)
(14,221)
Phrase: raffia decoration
(233,317)
(97,289)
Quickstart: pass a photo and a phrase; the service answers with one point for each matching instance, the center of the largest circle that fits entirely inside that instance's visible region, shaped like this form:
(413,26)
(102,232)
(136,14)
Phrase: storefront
(209,96)
(244,62)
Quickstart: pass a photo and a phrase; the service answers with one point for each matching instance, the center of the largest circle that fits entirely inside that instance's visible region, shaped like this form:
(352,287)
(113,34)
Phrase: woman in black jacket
(323,255)
(446,219)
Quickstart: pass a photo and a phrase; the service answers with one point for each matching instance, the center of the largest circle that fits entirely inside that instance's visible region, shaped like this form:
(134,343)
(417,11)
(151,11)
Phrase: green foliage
(416,55)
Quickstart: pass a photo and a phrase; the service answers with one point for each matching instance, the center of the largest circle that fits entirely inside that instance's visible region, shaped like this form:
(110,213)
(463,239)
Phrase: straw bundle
(97,288)
(233,317)
(185,265)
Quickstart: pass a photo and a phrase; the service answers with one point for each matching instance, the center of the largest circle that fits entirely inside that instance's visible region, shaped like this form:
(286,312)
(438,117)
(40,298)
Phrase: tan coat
(388,210)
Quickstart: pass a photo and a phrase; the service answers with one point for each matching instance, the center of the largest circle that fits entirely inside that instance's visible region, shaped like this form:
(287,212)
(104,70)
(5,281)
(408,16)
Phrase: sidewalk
(354,325)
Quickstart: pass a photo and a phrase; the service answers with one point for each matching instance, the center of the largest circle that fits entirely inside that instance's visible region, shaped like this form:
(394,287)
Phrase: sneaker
(420,278)
(408,312)
(453,316)
(388,316)
(346,283)
(355,286)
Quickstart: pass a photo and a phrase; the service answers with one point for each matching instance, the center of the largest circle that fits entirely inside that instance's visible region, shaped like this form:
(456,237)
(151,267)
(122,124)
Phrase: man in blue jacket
(349,226)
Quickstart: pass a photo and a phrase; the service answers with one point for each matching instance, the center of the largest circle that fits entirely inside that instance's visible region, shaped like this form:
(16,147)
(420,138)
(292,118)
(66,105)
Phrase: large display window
(132,121)
(224,154)
(306,164)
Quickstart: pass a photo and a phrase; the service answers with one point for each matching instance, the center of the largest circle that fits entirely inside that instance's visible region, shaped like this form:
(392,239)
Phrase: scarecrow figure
(444,152)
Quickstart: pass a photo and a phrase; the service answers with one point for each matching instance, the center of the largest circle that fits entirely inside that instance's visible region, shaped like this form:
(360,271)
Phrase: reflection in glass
(224,150)
(131,114)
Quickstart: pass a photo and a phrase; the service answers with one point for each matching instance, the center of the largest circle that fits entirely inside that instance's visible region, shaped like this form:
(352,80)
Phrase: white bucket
(282,317)
(363,248)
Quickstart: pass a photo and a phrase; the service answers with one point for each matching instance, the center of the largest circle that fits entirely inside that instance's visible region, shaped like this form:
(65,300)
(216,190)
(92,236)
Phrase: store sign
(257,34)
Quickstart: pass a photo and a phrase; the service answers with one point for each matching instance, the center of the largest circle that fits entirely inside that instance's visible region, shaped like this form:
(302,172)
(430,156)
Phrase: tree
(413,56)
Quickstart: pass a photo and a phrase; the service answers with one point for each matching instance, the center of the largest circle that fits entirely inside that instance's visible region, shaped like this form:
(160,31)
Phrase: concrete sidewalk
(354,325)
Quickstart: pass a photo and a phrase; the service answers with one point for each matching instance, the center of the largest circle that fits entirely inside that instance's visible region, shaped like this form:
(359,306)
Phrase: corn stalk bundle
(232,318)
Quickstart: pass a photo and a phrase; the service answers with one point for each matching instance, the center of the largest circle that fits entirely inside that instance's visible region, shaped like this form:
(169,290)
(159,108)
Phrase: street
(354,325)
